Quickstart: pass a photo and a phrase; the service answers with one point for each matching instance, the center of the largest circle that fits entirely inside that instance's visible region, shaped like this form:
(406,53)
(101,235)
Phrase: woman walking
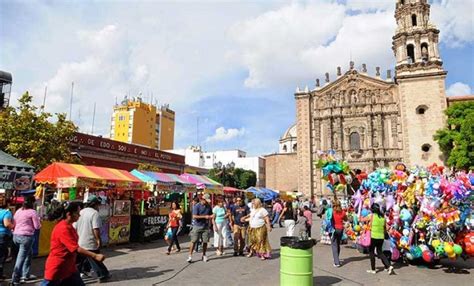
(60,268)
(6,225)
(174,219)
(338,218)
(288,214)
(259,227)
(219,222)
(26,222)
(377,235)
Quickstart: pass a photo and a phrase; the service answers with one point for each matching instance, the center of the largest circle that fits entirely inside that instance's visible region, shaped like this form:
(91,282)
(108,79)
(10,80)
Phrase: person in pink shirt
(309,220)
(26,222)
(276,212)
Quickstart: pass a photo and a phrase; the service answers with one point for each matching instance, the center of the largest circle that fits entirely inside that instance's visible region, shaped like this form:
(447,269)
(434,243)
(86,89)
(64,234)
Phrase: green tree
(246,179)
(456,141)
(30,135)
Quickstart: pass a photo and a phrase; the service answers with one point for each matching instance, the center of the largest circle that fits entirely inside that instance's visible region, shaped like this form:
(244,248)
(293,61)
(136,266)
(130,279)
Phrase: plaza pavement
(147,264)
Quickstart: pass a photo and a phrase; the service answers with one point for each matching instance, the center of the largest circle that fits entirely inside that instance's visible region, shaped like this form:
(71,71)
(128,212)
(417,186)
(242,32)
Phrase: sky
(229,69)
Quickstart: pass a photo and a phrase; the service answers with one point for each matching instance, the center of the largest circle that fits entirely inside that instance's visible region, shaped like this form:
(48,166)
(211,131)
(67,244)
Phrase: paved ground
(147,264)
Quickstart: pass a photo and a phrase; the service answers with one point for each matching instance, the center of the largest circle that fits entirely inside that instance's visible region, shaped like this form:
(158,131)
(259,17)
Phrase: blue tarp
(263,193)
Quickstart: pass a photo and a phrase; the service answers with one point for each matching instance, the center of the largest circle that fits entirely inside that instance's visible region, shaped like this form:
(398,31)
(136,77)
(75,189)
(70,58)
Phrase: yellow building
(136,122)
(165,117)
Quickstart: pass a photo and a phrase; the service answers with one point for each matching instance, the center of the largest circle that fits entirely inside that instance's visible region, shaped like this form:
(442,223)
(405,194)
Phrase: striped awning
(204,183)
(64,175)
(165,181)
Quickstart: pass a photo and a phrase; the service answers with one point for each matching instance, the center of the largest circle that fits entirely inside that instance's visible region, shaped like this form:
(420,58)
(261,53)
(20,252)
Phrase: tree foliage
(456,141)
(29,134)
(233,177)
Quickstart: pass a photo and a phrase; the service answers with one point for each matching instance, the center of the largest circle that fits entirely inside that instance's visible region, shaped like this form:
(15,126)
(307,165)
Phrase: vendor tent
(204,183)
(14,174)
(263,193)
(165,181)
(63,175)
(232,190)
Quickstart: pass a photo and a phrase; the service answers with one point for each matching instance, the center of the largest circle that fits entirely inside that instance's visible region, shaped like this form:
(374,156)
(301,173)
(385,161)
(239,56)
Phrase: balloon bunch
(335,170)
(429,212)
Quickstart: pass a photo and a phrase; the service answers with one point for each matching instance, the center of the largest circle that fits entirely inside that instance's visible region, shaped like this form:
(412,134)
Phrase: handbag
(365,239)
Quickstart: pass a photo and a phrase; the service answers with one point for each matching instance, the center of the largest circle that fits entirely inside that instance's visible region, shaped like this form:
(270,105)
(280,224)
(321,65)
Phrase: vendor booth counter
(77,182)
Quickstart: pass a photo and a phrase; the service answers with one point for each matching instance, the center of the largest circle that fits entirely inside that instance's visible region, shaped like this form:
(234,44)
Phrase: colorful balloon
(427,256)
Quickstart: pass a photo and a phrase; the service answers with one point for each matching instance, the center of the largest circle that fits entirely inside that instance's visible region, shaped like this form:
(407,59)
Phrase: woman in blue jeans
(26,222)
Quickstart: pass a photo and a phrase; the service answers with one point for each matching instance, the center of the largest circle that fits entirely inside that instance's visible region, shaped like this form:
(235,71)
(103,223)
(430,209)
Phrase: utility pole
(93,120)
(44,97)
(70,102)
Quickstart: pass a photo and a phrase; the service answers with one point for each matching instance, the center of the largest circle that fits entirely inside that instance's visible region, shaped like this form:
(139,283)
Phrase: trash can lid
(296,243)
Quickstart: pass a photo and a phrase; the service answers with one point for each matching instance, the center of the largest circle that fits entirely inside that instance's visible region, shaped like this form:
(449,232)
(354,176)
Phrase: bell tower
(421,78)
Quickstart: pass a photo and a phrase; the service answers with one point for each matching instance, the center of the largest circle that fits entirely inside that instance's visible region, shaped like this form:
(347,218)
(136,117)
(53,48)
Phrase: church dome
(290,132)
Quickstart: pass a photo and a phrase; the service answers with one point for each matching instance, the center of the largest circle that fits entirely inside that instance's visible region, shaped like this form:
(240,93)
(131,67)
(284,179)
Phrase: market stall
(77,182)
(149,223)
(15,177)
(262,193)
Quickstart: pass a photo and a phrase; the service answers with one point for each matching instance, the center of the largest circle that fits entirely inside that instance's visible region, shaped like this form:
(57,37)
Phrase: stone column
(394,130)
(417,48)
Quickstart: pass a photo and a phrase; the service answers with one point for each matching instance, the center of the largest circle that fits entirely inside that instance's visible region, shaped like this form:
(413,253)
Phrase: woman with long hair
(377,235)
(173,223)
(338,218)
(219,224)
(60,268)
(26,222)
(289,218)
(259,228)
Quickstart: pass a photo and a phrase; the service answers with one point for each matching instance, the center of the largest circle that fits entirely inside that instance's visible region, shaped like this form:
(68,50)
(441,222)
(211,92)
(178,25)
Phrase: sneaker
(336,265)
(390,270)
(190,259)
(204,258)
(218,253)
(371,271)
(85,275)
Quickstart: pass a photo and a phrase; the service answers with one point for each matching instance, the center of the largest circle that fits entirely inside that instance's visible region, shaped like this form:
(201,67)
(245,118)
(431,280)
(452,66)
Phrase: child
(309,220)
(300,226)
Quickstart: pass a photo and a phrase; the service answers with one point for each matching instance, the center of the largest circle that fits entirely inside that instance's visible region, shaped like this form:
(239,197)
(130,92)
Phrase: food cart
(149,222)
(77,182)
(15,178)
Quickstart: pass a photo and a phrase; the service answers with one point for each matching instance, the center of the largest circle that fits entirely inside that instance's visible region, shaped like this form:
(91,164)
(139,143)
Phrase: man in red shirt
(60,268)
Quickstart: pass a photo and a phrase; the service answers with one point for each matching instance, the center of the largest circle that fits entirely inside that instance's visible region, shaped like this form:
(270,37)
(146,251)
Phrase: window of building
(413,20)
(421,109)
(208,157)
(284,148)
(354,141)
(295,147)
(411,53)
(424,52)
(426,148)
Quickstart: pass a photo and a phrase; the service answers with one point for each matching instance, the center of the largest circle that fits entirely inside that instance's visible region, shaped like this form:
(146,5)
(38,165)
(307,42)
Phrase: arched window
(402,1)
(354,141)
(421,109)
(411,53)
(413,20)
(424,52)
(295,147)
(426,148)
(284,148)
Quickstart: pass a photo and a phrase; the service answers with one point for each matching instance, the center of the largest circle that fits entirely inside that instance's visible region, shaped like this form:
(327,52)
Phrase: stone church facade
(372,121)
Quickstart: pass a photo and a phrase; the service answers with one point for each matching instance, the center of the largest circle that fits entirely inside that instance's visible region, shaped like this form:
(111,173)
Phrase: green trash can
(296,261)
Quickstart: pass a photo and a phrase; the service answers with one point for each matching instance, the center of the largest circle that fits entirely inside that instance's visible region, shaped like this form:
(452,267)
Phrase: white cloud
(370,5)
(455,20)
(459,88)
(299,41)
(223,134)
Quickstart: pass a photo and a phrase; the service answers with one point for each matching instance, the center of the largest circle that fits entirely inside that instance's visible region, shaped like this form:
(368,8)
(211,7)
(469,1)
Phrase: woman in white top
(259,227)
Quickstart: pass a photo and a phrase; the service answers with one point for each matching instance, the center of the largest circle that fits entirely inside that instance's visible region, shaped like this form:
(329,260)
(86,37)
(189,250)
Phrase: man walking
(239,211)
(277,208)
(202,213)
(88,229)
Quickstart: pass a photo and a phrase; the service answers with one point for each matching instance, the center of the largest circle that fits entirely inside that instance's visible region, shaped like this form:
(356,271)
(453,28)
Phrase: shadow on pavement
(325,280)
(136,273)
(354,259)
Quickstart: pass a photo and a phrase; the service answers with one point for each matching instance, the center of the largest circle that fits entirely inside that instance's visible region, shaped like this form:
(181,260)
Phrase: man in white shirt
(88,229)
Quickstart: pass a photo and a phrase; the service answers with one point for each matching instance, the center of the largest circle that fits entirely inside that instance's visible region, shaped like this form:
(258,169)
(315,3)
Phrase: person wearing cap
(88,229)
(202,213)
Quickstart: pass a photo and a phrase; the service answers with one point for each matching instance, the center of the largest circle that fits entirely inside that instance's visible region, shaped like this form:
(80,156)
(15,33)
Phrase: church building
(371,121)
